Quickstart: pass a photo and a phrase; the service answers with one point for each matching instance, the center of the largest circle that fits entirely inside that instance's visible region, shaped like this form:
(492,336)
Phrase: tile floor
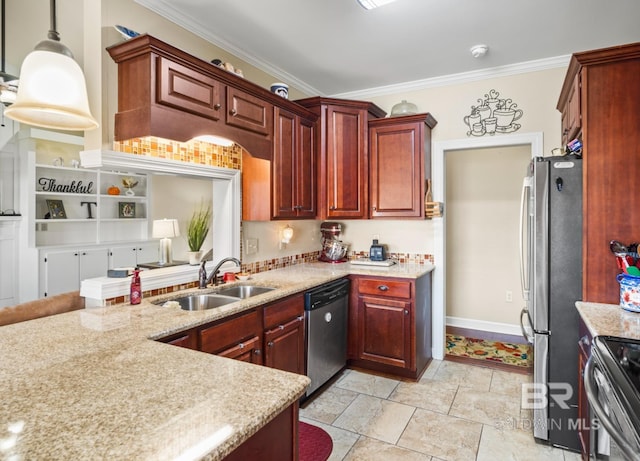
(456,412)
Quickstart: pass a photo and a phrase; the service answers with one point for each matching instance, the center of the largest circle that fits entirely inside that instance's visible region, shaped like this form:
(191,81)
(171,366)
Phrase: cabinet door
(249,112)
(284,346)
(346,163)
(188,90)
(147,252)
(93,263)
(284,165)
(385,331)
(396,162)
(246,351)
(61,272)
(228,334)
(306,187)
(124,256)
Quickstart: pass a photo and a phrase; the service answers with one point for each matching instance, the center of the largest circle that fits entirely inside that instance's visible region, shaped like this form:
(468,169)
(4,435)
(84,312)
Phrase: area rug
(314,443)
(519,355)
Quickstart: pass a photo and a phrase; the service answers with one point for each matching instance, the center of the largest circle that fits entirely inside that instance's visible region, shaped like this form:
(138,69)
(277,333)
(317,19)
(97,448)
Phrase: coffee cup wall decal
(493,115)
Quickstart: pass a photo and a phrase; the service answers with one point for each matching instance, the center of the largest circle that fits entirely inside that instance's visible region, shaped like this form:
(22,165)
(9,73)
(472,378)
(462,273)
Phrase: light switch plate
(250,246)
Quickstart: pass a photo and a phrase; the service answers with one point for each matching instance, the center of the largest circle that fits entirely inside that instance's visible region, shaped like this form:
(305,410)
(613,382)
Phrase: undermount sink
(244,291)
(204,302)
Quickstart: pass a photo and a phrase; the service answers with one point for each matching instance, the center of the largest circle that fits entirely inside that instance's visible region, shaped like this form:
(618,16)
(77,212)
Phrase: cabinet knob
(383,288)
(280,327)
(332,207)
(374,208)
(241,345)
(217,106)
(270,344)
(257,352)
(406,312)
(300,318)
(233,112)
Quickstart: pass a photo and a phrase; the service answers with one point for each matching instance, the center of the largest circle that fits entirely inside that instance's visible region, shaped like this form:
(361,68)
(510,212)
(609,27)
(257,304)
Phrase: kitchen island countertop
(609,320)
(90,384)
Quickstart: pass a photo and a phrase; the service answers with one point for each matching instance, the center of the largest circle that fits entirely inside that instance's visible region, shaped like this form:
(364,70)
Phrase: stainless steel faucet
(205,281)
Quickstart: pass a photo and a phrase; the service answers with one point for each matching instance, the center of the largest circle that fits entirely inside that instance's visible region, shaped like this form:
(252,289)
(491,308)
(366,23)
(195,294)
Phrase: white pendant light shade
(52,93)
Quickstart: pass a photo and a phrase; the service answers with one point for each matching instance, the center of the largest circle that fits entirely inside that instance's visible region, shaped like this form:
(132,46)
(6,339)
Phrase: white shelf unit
(114,218)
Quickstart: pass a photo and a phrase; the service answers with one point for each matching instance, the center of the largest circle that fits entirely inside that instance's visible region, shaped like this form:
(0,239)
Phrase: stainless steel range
(612,384)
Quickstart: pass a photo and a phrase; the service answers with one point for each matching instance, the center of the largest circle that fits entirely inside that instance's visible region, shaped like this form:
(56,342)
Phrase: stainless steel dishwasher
(326,331)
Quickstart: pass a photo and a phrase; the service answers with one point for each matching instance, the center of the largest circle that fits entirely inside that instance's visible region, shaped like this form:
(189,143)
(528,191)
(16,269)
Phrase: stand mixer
(333,250)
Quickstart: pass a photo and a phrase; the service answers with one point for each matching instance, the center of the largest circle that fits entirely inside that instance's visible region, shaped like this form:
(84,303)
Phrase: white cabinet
(62,270)
(134,254)
(9,262)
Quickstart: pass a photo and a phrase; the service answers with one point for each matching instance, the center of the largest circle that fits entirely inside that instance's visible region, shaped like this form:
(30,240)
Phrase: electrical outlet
(509,296)
(250,246)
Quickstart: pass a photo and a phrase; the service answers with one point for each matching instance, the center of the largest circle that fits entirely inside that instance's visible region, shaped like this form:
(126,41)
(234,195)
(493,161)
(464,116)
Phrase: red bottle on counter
(135,295)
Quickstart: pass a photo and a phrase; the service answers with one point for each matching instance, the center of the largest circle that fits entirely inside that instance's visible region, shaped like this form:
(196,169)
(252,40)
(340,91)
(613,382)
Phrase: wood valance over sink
(165,92)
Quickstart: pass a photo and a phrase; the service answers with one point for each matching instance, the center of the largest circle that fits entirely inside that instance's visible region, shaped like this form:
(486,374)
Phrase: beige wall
(483,205)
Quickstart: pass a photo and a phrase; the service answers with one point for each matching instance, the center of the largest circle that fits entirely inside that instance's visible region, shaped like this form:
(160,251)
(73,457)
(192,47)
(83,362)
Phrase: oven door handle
(590,387)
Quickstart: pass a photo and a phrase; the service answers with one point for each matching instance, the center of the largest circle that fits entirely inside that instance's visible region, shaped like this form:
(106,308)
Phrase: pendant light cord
(53,32)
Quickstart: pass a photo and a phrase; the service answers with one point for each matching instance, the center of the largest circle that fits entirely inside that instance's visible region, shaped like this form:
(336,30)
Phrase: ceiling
(336,47)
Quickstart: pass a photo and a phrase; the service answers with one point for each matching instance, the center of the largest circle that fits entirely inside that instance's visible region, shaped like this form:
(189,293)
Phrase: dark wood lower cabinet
(390,324)
(277,441)
(284,346)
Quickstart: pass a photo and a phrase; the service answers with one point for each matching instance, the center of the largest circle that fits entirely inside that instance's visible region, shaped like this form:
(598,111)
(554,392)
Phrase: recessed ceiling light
(478,51)
(371,4)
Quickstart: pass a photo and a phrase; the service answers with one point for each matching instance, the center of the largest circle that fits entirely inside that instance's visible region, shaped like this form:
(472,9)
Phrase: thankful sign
(75,187)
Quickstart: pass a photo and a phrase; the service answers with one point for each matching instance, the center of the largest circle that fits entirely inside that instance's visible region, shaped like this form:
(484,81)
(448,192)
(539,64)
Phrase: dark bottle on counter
(135,295)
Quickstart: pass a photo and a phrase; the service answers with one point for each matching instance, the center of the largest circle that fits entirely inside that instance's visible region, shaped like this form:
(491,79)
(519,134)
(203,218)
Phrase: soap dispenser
(135,295)
(377,252)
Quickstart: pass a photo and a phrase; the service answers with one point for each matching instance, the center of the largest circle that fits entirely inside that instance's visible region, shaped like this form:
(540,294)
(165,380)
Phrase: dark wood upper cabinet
(399,163)
(294,167)
(608,122)
(342,143)
(166,92)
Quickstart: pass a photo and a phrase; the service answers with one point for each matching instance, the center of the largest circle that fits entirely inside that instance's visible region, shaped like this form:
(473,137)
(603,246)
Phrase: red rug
(314,443)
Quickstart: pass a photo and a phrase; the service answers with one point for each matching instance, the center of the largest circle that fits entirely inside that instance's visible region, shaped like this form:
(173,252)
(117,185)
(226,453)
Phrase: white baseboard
(493,327)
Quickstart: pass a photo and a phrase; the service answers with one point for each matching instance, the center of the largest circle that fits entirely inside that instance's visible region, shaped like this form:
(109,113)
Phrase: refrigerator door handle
(524,236)
(527,330)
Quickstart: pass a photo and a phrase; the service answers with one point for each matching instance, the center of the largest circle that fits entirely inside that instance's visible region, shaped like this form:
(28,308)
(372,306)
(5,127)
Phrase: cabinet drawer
(218,337)
(283,311)
(392,288)
(188,90)
(248,112)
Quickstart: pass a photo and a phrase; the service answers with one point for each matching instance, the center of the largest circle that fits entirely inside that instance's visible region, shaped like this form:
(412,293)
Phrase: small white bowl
(243,277)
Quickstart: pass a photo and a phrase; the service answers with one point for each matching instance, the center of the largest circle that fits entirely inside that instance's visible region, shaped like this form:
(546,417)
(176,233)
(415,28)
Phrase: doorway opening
(440,149)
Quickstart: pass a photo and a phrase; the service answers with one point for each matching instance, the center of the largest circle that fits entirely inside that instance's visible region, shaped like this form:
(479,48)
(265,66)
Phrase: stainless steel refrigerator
(551,274)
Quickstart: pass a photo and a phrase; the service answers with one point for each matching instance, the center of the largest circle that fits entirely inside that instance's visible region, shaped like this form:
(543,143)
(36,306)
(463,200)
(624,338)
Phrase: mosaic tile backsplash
(201,153)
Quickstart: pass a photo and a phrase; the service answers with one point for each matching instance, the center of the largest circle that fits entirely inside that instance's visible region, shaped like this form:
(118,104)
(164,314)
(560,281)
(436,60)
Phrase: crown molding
(165,9)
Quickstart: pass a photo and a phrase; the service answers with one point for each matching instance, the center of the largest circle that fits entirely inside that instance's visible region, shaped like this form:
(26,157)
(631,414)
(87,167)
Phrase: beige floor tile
(514,445)
(479,378)
(442,436)
(485,407)
(376,418)
(431,370)
(367,449)
(504,382)
(327,406)
(370,384)
(427,394)
(342,440)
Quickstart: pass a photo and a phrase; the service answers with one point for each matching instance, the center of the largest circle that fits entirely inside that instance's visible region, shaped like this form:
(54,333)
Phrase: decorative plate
(126,33)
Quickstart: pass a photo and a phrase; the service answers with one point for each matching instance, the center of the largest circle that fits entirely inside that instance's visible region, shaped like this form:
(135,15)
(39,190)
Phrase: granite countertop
(609,320)
(90,384)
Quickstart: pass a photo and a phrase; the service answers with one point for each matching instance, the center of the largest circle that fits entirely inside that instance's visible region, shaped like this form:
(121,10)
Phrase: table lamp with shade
(165,230)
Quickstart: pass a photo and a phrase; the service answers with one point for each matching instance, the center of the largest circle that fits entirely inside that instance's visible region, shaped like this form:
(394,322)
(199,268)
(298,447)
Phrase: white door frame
(440,148)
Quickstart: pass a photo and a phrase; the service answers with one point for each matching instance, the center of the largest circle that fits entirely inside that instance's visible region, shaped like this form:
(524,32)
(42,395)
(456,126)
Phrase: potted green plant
(197,231)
